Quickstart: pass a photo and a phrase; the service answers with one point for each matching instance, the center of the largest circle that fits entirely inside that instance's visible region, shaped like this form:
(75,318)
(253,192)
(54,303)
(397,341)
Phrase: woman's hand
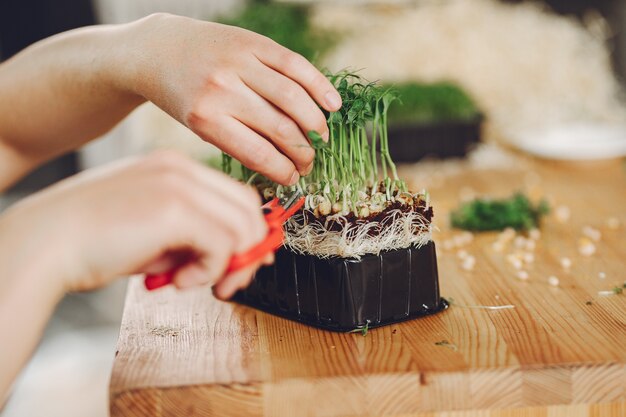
(147,215)
(242,92)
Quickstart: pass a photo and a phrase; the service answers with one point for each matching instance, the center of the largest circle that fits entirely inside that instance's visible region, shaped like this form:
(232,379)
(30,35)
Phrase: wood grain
(553,354)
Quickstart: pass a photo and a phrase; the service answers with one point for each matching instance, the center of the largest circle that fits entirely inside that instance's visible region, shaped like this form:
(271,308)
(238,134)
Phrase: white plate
(573,142)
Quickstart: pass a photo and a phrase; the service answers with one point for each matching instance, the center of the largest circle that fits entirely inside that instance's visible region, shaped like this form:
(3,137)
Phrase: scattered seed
(562,214)
(534,234)
(515,260)
(566,263)
(530,245)
(519,242)
(498,246)
(447,244)
(612,223)
(528,257)
(601,275)
(462,254)
(523,275)
(507,234)
(463,239)
(554,281)
(586,247)
(468,263)
(591,233)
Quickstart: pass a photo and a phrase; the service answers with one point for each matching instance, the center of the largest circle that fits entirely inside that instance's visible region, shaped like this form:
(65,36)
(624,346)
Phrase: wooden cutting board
(559,351)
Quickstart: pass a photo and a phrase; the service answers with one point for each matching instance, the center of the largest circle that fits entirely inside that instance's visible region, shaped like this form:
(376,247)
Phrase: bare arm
(238,90)
(58,94)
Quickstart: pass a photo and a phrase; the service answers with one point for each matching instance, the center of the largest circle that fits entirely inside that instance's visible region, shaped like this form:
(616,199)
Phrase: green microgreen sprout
(354,164)
(363,330)
(447,344)
(487,214)
(617,290)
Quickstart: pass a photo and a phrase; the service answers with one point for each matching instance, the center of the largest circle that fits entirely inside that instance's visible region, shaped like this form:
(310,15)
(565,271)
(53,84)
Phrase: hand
(137,216)
(243,92)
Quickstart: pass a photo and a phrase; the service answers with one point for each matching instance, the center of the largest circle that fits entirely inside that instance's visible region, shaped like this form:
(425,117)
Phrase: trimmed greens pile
(428,103)
(484,214)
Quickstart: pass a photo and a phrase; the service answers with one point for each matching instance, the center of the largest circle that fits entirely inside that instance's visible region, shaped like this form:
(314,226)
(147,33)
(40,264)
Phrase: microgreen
(363,330)
(447,344)
(346,167)
(485,214)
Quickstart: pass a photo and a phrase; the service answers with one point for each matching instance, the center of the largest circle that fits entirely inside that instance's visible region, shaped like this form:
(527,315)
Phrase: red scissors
(276,212)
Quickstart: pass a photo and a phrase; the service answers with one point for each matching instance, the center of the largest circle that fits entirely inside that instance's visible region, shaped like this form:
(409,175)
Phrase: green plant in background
(287,24)
(485,214)
(427,103)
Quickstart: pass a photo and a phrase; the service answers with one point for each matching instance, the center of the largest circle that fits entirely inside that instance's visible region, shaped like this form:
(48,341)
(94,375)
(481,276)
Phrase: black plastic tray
(346,294)
(412,142)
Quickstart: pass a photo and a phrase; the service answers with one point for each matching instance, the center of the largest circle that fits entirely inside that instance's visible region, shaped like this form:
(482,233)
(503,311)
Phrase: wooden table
(561,351)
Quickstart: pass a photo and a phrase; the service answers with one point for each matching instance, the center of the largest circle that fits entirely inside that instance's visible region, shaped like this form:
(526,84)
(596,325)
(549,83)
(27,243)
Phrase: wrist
(119,62)
(28,261)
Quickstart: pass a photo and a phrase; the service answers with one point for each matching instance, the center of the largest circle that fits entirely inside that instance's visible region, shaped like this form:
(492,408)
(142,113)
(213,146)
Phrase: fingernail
(325,136)
(294,178)
(308,169)
(333,100)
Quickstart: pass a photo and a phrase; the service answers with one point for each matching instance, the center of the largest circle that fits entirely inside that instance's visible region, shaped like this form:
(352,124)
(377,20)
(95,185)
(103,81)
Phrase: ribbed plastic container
(412,142)
(346,294)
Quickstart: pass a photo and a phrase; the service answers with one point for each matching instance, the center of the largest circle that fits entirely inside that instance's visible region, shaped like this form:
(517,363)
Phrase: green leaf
(316,140)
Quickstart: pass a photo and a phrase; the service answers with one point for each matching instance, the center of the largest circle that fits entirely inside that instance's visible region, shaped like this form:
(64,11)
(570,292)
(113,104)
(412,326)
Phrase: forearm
(28,296)
(60,93)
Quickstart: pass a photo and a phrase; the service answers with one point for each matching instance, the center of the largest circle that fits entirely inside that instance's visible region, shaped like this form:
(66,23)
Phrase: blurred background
(544,78)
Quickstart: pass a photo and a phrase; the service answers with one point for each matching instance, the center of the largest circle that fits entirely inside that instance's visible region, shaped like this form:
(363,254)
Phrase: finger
(288,96)
(214,253)
(246,197)
(246,231)
(215,195)
(251,149)
(300,70)
(269,259)
(190,275)
(167,261)
(281,129)
(228,286)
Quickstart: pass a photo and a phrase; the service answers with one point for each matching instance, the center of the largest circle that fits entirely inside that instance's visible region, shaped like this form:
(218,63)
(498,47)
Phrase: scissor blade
(289,201)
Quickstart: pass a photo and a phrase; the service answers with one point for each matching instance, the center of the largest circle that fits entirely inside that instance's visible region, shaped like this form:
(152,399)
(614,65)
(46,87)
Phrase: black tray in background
(412,142)
(345,294)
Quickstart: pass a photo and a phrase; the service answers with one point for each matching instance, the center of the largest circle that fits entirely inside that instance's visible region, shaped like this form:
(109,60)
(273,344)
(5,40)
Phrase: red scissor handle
(275,215)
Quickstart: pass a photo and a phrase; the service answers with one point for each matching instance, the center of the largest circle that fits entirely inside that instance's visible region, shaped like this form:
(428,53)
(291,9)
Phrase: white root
(398,230)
